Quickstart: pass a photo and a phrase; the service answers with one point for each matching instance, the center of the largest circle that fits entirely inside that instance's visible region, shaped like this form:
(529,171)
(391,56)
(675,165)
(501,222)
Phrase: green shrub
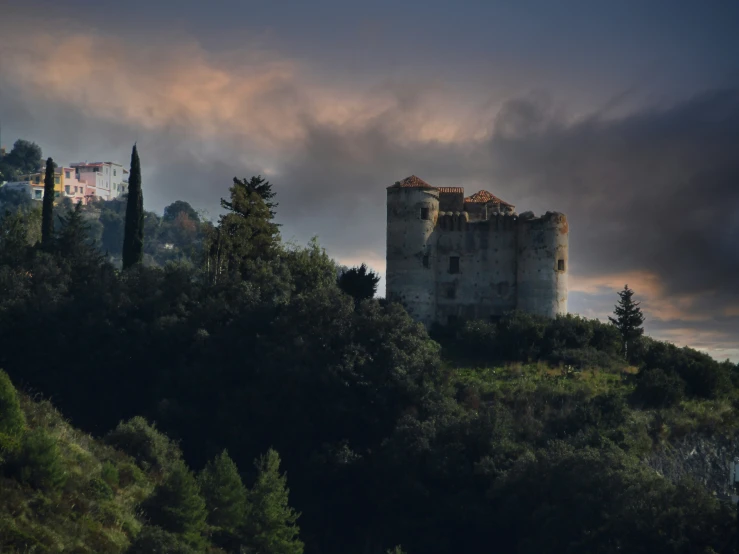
(100,489)
(150,448)
(39,462)
(655,388)
(568,332)
(109,474)
(519,336)
(704,377)
(12,421)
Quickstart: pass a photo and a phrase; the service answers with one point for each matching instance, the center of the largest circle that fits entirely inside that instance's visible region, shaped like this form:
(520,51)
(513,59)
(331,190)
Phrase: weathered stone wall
(542,264)
(486,283)
(408,279)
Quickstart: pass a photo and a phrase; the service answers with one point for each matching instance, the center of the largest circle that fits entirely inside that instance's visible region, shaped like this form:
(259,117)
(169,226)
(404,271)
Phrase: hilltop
(524,435)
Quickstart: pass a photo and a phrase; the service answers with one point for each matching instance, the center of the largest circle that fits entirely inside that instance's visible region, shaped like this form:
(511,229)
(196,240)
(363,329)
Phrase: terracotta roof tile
(483,197)
(453,190)
(412,182)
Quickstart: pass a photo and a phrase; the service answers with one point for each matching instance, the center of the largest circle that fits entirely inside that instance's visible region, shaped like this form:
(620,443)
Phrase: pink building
(103,180)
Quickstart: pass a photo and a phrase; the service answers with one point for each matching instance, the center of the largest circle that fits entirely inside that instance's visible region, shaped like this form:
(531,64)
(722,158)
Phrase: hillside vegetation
(526,435)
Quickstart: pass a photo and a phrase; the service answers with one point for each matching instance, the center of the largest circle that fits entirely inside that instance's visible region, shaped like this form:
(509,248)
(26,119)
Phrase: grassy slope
(96,509)
(537,396)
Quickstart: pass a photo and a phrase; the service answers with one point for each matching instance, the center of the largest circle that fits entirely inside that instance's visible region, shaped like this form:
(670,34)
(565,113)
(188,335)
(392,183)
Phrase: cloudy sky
(623,115)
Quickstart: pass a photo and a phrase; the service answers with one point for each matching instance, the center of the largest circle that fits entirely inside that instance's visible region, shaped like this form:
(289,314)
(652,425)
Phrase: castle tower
(412,211)
(542,247)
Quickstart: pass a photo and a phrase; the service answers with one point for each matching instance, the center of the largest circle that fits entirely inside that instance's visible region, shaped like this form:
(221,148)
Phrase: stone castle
(451,258)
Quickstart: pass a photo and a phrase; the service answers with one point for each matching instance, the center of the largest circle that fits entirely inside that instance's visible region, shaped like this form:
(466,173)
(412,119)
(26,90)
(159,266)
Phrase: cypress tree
(270,522)
(47,212)
(133,237)
(629,318)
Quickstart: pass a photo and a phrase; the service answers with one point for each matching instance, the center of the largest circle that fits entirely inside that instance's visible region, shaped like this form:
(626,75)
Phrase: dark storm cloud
(656,191)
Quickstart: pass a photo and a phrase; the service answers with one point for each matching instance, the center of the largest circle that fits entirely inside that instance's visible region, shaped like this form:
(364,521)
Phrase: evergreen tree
(47,214)
(255,185)
(629,319)
(359,282)
(14,238)
(270,522)
(73,240)
(245,233)
(177,506)
(224,492)
(133,236)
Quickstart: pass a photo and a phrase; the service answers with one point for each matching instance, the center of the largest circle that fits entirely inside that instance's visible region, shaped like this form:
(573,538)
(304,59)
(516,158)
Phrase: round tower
(542,264)
(412,211)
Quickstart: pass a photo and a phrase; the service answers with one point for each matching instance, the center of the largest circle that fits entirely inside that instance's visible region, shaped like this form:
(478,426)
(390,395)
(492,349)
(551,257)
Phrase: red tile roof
(483,197)
(453,190)
(412,182)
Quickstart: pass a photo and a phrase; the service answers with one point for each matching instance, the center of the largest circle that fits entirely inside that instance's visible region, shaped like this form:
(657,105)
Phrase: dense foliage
(23,158)
(521,435)
(62,491)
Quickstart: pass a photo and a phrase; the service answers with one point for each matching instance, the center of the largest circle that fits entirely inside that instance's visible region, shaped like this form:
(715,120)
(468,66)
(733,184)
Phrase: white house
(105,180)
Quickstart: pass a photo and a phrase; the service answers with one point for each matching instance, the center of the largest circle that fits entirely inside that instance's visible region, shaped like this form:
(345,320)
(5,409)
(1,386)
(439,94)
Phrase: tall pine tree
(270,522)
(225,499)
(47,212)
(628,320)
(177,506)
(133,237)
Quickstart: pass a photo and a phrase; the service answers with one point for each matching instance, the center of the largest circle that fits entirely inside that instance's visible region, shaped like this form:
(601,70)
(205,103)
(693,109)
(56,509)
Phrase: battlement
(451,256)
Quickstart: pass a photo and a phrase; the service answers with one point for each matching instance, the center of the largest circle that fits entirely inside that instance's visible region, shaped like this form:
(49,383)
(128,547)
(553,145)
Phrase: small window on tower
(454,264)
(425,260)
(451,292)
(424,213)
(560,265)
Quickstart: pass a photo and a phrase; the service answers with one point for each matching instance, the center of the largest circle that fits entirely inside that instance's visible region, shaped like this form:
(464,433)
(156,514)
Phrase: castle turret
(412,210)
(542,247)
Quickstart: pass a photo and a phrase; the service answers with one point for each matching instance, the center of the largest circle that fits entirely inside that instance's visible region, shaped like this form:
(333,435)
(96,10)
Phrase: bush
(568,332)
(12,421)
(655,388)
(130,474)
(149,447)
(519,336)
(109,474)
(704,377)
(476,340)
(100,489)
(39,462)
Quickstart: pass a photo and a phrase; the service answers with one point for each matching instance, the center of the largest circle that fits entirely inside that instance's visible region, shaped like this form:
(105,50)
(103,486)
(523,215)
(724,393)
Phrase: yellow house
(65,184)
